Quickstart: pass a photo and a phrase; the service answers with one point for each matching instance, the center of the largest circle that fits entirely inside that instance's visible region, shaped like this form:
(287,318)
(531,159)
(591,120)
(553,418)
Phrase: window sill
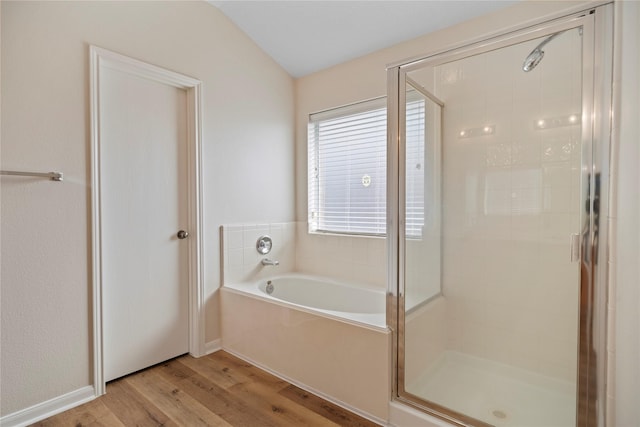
(340,234)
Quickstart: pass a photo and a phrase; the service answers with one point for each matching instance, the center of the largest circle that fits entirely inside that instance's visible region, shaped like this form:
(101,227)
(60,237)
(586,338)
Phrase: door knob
(182,234)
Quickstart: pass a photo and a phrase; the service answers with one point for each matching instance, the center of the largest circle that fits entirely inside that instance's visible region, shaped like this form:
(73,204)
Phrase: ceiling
(308,36)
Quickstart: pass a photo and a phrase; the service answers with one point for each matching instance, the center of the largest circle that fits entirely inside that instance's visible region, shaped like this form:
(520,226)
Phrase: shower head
(537,54)
(533,59)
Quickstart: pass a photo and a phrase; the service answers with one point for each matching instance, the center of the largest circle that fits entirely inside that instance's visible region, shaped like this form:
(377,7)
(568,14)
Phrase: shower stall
(497,174)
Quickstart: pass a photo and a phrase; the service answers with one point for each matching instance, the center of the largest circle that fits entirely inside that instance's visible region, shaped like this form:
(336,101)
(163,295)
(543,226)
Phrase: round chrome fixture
(264,244)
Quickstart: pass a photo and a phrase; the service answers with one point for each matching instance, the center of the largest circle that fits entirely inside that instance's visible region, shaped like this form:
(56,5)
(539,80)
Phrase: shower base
(495,393)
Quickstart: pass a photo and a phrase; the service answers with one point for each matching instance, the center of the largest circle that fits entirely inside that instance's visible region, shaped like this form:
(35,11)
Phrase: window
(347,176)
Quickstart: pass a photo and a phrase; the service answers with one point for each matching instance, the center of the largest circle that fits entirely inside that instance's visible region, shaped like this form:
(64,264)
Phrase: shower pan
(497,250)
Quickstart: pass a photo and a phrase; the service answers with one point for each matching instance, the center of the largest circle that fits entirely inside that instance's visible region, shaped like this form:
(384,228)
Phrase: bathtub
(323,335)
(322,296)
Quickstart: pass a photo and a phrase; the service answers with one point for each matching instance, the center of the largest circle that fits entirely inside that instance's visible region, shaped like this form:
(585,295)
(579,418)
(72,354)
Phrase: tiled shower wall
(510,204)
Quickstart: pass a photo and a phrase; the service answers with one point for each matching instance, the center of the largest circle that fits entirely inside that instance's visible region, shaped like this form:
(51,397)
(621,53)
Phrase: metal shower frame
(596,22)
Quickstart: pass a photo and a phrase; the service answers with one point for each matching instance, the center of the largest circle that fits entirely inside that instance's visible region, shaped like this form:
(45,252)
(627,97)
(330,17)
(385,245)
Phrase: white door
(143,174)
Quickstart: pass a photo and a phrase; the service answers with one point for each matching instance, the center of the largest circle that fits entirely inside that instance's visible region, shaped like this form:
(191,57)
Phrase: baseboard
(213,346)
(309,389)
(49,408)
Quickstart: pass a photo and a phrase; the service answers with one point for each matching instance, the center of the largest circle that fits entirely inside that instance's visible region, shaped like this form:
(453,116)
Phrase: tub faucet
(267,261)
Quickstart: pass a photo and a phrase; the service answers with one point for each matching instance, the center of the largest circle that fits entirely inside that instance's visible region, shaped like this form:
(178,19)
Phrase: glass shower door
(422,222)
(492,202)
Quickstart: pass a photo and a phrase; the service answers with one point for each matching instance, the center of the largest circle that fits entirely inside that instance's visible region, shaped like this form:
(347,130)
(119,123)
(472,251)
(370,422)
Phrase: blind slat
(347,169)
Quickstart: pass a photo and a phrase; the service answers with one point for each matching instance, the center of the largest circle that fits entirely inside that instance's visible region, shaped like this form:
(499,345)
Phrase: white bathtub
(323,296)
(325,336)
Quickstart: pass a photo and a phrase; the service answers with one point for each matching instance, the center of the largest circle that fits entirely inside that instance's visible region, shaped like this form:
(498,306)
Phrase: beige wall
(46,273)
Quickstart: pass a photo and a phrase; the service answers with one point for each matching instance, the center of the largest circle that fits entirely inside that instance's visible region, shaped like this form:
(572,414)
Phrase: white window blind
(415,166)
(347,163)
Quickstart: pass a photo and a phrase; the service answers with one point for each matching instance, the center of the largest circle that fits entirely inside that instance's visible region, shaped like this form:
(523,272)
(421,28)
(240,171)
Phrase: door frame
(99,57)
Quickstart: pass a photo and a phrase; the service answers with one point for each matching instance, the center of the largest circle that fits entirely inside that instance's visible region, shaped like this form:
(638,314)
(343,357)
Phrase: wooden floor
(214,390)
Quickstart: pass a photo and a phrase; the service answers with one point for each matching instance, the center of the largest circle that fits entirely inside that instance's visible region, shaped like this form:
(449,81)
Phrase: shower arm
(536,55)
(547,40)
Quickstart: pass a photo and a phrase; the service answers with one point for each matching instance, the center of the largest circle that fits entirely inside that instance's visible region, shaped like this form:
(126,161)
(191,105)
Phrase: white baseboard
(305,387)
(49,408)
(213,346)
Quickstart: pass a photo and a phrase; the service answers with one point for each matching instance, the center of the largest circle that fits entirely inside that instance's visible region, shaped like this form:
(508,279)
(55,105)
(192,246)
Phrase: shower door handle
(575,247)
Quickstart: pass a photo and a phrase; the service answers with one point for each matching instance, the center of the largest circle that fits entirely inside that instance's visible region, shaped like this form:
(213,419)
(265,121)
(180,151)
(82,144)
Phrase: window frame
(314,184)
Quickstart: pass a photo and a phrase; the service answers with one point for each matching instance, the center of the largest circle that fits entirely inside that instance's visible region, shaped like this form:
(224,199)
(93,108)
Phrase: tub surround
(360,260)
(241,261)
(343,363)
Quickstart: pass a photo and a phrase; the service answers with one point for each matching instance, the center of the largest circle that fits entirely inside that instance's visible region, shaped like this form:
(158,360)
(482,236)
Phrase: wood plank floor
(214,390)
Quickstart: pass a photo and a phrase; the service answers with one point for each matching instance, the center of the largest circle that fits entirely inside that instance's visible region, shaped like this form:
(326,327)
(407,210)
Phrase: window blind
(347,163)
(414,167)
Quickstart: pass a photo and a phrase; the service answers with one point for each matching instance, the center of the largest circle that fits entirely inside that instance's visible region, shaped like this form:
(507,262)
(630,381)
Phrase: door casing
(101,57)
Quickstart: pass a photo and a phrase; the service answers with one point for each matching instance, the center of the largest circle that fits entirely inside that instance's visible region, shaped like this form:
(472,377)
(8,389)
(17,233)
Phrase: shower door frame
(597,49)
